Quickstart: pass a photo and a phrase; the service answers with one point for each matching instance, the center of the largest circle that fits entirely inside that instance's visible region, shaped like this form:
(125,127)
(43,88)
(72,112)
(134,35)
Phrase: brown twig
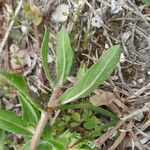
(125,129)
(118,140)
(134,113)
(2,44)
(140,145)
(98,142)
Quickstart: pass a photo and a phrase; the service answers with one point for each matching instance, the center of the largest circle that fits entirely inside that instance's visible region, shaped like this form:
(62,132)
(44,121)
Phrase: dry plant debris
(93,25)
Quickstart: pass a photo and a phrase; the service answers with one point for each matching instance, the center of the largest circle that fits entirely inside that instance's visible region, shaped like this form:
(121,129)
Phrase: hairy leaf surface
(95,76)
(11,122)
(44,49)
(19,83)
(29,112)
(64,56)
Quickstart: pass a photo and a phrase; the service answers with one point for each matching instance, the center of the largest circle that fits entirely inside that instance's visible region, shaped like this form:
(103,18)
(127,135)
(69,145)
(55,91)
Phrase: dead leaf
(102,98)
(19,58)
(108,99)
(37,15)
(34,13)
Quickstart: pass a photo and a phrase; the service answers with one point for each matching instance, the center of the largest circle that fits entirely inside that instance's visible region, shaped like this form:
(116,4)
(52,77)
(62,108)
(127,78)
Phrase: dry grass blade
(126,127)
(98,142)
(140,91)
(141,147)
(132,114)
(2,44)
(118,140)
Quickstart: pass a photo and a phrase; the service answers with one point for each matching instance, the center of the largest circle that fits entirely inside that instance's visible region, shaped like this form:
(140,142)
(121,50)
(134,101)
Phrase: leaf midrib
(15,125)
(30,107)
(64,62)
(86,89)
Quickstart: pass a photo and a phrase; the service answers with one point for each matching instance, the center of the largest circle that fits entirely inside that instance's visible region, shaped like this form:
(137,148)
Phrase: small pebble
(134,82)
(148,72)
(24,29)
(106,45)
(139,117)
(122,58)
(50,59)
(34,89)
(141,80)
(114,78)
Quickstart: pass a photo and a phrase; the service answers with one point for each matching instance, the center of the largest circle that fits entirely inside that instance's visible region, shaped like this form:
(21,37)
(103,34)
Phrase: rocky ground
(94,26)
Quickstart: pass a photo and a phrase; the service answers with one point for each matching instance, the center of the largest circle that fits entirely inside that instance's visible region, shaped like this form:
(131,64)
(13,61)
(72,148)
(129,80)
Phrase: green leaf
(16,80)
(64,56)
(26,146)
(65,138)
(19,83)
(82,70)
(42,145)
(95,76)
(91,123)
(76,117)
(66,118)
(74,124)
(2,139)
(29,112)
(44,49)
(11,122)
(47,133)
(146,2)
(57,145)
(60,143)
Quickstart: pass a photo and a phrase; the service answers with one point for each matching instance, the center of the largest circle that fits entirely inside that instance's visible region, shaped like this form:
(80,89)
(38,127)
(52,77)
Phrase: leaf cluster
(87,81)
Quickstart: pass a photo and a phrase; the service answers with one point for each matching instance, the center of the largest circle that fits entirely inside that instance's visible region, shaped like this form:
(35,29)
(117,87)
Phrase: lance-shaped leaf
(9,121)
(57,145)
(29,112)
(19,83)
(44,49)
(95,76)
(15,80)
(64,56)
(47,145)
(42,146)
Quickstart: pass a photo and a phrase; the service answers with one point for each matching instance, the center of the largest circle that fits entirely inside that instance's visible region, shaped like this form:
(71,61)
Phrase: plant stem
(44,117)
(39,129)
